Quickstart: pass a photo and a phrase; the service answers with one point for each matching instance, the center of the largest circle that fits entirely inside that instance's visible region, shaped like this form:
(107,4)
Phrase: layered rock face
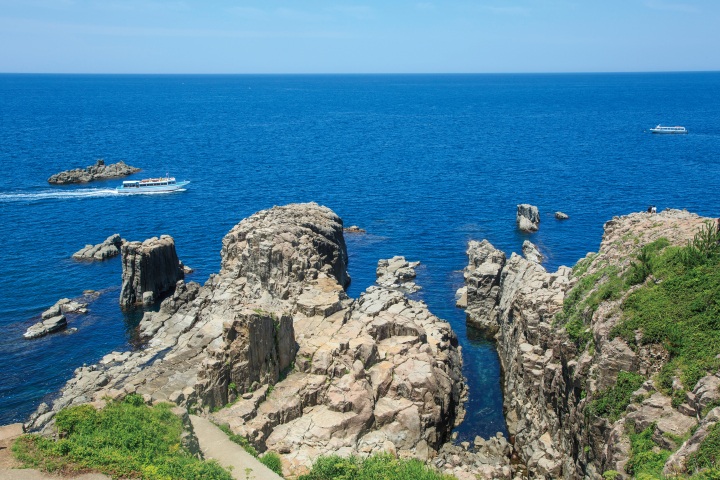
(149,269)
(102,251)
(549,382)
(299,367)
(99,171)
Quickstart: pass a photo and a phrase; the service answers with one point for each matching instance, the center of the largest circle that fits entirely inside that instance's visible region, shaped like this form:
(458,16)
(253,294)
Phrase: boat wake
(7,197)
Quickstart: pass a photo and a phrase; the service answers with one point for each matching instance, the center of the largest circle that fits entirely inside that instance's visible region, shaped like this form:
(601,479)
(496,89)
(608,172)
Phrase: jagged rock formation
(53,319)
(549,381)
(397,273)
(150,269)
(102,251)
(528,217)
(99,171)
(298,366)
(531,253)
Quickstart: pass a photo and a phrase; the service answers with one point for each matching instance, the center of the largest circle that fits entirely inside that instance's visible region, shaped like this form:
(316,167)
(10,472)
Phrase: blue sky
(392,36)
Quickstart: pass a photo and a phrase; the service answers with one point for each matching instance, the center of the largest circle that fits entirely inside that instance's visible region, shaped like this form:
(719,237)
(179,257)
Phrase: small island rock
(102,251)
(99,171)
(48,325)
(354,229)
(528,217)
(561,216)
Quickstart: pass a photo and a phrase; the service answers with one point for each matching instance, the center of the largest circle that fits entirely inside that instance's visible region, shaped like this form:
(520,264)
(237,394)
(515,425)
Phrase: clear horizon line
(559,72)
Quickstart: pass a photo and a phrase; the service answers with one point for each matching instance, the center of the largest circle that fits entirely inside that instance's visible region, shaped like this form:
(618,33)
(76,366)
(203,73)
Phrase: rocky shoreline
(99,171)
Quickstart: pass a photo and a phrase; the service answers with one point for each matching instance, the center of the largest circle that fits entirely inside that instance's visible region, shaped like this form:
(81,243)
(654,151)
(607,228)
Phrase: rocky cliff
(99,171)
(587,391)
(150,269)
(274,348)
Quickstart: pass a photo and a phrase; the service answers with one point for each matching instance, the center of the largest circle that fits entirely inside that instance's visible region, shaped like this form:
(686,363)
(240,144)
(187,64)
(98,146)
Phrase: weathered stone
(528,217)
(561,216)
(46,326)
(151,267)
(99,171)
(397,273)
(102,251)
(531,253)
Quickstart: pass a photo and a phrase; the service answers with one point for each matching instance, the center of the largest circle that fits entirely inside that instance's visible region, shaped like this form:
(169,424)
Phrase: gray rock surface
(528,217)
(150,269)
(99,171)
(275,344)
(561,216)
(46,326)
(548,380)
(397,273)
(102,251)
(531,253)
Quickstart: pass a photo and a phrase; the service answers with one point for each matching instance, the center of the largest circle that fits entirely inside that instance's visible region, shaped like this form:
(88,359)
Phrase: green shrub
(240,440)
(272,461)
(646,459)
(613,401)
(124,439)
(708,454)
(376,467)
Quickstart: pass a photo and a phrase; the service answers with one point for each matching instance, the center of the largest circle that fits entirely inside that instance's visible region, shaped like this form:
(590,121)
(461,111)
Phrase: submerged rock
(528,217)
(150,269)
(102,251)
(99,171)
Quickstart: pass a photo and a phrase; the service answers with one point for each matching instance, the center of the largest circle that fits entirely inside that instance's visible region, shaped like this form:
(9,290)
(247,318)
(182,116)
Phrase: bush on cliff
(613,401)
(680,309)
(382,466)
(126,439)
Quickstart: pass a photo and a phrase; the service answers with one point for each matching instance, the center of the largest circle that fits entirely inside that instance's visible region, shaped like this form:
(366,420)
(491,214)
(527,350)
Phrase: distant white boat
(661,129)
(151,185)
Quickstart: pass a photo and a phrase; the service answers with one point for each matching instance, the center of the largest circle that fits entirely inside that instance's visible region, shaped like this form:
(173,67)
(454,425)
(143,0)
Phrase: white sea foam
(20,196)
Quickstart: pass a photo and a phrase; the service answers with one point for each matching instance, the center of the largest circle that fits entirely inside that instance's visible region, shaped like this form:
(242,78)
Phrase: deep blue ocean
(424,163)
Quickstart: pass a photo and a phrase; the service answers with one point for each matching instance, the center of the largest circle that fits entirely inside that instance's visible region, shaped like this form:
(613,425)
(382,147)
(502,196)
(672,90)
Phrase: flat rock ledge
(53,319)
(99,171)
(102,251)
(527,217)
(274,348)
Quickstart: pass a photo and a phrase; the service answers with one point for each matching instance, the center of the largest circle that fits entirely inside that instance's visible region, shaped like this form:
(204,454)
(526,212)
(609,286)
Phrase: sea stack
(150,269)
(528,217)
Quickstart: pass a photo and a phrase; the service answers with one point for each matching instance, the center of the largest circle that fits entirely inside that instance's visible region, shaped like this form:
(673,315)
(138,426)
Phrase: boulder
(528,217)
(102,251)
(99,171)
(46,326)
(561,216)
(150,269)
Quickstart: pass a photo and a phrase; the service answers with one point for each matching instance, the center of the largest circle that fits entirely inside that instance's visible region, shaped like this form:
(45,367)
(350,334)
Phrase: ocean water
(424,163)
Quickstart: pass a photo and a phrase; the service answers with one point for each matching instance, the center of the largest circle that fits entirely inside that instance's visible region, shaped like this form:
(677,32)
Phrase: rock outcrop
(102,251)
(397,273)
(150,269)
(550,379)
(99,171)
(53,319)
(528,217)
(275,348)
(531,253)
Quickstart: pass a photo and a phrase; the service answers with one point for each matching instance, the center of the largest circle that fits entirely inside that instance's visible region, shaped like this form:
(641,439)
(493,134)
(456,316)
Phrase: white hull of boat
(153,188)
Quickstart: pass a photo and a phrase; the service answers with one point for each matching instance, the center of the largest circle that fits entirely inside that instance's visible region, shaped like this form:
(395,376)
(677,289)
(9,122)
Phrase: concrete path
(215,444)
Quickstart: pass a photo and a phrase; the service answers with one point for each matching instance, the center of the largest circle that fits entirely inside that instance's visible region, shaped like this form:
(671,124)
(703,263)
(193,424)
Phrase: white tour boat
(151,185)
(661,129)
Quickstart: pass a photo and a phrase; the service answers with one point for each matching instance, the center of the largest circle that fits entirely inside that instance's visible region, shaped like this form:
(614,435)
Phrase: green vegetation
(376,467)
(272,461)
(708,455)
(613,401)
(583,300)
(126,439)
(680,309)
(646,458)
